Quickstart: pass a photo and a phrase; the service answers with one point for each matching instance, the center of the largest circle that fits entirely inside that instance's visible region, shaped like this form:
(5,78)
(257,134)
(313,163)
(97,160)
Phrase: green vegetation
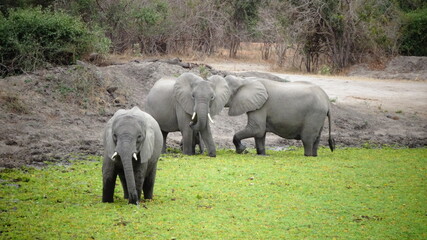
(33,38)
(347,194)
(414,33)
(325,36)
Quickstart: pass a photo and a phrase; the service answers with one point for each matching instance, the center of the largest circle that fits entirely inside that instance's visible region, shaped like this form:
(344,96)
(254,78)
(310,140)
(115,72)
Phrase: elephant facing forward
(132,146)
(186,104)
(292,110)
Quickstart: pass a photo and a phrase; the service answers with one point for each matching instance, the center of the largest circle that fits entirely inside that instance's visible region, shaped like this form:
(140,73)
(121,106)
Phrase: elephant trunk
(126,155)
(200,120)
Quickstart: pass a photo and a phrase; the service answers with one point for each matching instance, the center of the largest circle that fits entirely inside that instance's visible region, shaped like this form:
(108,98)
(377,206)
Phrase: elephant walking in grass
(132,146)
(292,110)
(187,104)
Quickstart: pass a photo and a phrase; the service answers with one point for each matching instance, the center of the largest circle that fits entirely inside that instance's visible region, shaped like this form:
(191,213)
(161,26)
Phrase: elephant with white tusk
(187,104)
(292,110)
(132,146)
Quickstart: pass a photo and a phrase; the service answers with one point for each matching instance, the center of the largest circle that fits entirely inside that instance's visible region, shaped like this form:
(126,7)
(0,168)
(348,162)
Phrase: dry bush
(12,103)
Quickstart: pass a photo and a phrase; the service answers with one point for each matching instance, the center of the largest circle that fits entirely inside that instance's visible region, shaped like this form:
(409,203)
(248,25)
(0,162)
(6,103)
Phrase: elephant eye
(213,97)
(114,137)
(192,95)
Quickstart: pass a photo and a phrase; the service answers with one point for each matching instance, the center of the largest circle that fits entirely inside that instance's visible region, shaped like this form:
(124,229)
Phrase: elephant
(197,141)
(132,145)
(292,110)
(186,104)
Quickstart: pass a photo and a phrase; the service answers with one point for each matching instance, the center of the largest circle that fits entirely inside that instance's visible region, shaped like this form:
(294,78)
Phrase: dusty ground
(51,115)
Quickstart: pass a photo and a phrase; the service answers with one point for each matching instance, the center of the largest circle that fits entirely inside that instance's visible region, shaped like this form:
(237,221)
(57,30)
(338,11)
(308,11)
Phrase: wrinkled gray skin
(294,110)
(129,134)
(198,141)
(173,102)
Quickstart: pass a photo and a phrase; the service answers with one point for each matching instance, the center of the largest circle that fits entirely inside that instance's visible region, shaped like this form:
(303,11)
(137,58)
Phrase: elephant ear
(182,91)
(147,147)
(248,95)
(109,145)
(222,94)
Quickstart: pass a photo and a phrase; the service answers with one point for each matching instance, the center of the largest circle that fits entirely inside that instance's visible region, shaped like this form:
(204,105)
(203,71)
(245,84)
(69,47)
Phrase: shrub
(414,36)
(12,103)
(325,70)
(33,38)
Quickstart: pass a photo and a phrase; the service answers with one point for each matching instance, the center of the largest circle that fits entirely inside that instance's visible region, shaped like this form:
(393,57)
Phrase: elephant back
(160,104)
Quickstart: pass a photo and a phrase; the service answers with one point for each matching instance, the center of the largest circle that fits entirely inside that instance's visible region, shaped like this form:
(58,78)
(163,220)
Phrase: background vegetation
(414,37)
(307,34)
(347,194)
(33,38)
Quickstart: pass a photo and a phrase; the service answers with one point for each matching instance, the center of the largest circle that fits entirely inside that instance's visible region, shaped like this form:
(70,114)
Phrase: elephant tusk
(135,157)
(114,156)
(194,115)
(210,119)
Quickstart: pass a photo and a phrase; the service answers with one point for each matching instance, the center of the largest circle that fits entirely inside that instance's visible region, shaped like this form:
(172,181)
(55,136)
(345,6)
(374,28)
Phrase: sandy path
(388,95)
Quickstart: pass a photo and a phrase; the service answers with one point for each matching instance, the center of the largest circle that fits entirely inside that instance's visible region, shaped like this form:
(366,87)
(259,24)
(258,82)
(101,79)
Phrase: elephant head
(129,143)
(246,95)
(201,98)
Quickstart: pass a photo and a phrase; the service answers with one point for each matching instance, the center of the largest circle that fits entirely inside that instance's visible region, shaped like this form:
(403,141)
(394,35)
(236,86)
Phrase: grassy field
(347,194)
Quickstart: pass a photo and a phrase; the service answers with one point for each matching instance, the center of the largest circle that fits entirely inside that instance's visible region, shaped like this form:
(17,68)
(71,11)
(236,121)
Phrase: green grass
(347,194)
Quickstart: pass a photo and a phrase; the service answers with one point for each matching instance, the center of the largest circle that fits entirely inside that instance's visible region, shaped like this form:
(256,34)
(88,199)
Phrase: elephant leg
(140,178)
(310,137)
(199,142)
(255,128)
(201,146)
(308,147)
(148,186)
(188,146)
(260,145)
(238,144)
(309,143)
(165,135)
(316,146)
(124,185)
(208,140)
(109,183)
(188,135)
(195,141)
(316,143)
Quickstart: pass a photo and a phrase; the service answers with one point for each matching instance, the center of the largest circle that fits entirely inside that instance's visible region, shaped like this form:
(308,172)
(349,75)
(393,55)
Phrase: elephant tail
(331,140)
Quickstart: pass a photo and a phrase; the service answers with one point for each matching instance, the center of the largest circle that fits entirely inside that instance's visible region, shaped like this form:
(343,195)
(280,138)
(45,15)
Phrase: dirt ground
(50,115)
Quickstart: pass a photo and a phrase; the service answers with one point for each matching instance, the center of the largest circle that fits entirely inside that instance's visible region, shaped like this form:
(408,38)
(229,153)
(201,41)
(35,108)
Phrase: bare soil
(51,115)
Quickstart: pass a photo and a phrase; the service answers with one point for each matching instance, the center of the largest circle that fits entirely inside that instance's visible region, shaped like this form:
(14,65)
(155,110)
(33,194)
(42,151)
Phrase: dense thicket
(32,38)
(414,36)
(307,34)
(6,5)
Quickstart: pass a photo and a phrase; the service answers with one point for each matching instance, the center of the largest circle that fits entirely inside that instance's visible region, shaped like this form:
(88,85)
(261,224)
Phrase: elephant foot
(260,151)
(240,149)
(311,155)
(190,153)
